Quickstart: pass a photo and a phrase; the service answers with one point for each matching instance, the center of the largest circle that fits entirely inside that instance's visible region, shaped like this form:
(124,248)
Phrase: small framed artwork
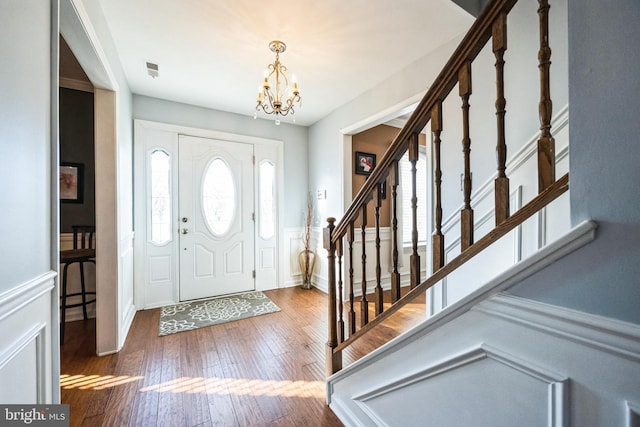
(364,163)
(71,182)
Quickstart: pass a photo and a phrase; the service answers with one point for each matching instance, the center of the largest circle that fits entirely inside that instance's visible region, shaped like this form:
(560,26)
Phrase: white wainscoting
(126,306)
(292,247)
(500,360)
(26,344)
(321,271)
(508,361)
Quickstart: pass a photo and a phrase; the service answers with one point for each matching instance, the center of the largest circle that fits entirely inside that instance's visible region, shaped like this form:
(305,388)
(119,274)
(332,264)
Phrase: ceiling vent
(152,69)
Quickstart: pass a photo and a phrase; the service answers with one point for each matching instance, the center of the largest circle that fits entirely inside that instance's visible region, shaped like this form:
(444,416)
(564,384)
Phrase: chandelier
(274,87)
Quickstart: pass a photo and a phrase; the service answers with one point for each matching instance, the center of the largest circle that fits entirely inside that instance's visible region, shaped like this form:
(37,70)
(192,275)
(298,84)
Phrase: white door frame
(80,35)
(149,135)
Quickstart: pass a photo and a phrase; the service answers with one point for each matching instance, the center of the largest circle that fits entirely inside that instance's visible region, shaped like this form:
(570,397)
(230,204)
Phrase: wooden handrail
(469,48)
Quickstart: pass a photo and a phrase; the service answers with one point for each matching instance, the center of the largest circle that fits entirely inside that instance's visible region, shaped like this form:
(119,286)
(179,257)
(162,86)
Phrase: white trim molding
(503,359)
(16,298)
(487,335)
(17,349)
(632,414)
(556,385)
(162,290)
(28,314)
(619,338)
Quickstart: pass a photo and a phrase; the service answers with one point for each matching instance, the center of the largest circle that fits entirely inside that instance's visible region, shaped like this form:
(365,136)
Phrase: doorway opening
(77,187)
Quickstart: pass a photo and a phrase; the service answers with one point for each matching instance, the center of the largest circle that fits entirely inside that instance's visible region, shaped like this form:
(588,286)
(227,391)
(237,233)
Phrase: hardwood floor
(263,371)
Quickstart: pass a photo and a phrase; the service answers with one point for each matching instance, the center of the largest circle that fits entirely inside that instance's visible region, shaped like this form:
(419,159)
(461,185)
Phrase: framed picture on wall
(364,163)
(71,182)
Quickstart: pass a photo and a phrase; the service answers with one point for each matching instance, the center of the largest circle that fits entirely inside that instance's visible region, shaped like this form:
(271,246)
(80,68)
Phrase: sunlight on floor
(237,386)
(94,382)
(240,386)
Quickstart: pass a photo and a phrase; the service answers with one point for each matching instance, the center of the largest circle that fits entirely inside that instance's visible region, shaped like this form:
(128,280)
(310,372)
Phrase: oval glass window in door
(218,197)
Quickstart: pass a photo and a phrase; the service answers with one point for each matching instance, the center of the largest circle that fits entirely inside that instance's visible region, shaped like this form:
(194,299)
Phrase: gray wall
(294,137)
(325,138)
(25,108)
(604,277)
(76,146)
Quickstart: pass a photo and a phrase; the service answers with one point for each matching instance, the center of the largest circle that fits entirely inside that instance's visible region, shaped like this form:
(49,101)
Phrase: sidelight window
(267,199)
(160,167)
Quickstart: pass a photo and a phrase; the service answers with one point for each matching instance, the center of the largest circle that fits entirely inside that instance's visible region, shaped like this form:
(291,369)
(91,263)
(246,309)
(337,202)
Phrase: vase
(307,262)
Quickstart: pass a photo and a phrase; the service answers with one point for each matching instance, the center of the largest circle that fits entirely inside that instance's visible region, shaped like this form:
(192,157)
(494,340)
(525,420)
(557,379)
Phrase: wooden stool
(79,254)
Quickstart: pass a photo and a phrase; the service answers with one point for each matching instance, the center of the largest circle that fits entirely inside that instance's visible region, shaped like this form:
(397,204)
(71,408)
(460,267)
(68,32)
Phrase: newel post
(333,358)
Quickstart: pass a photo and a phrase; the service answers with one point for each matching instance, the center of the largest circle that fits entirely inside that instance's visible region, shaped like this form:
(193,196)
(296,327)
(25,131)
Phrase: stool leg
(84,292)
(64,303)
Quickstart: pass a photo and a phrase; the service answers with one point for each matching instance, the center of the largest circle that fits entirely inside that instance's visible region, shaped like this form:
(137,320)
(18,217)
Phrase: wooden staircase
(339,236)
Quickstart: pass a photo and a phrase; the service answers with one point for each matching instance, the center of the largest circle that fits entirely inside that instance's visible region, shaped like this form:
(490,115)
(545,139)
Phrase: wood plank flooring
(263,371)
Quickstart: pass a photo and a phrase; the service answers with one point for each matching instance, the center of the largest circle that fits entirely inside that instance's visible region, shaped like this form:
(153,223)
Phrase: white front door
(216,214)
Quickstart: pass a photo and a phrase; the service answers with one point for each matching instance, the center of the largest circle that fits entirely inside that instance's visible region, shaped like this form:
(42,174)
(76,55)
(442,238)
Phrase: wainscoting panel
(292,247)
(26,345)
(507,361)
(477,379)
(322,268)
(126,307)
(492,353)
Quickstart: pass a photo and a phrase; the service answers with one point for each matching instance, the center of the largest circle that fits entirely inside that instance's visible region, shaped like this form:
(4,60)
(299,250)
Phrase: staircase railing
(490,25)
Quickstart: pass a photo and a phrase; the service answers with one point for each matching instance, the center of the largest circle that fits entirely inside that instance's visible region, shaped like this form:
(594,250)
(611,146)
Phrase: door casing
(156,267)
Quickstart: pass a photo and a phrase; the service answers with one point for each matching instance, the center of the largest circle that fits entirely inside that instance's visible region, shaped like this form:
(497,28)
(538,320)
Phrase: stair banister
(490,24)
(469,48)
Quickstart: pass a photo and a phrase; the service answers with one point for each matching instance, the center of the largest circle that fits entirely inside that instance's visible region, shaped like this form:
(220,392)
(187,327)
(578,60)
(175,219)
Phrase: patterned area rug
(197,314)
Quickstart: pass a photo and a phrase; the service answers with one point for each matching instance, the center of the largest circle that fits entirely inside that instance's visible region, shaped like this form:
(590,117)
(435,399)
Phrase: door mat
(213,311)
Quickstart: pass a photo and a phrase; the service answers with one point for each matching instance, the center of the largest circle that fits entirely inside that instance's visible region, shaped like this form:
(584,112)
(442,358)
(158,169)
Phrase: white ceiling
(213,53)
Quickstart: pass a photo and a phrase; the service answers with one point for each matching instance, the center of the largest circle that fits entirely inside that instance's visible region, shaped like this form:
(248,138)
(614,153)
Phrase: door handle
(185,231)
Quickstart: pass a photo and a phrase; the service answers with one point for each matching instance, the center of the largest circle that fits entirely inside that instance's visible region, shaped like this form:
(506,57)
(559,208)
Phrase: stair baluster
(352,313)
(501,183)
(364,303)
(466,215)
(437,240)
(377,201)
(340,302)
(395,274)
(546,143)
(414,260)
